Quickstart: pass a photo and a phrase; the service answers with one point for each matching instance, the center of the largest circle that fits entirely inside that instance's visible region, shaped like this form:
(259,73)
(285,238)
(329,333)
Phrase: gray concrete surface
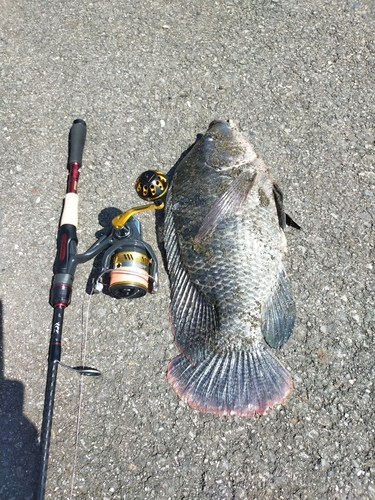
(147,76)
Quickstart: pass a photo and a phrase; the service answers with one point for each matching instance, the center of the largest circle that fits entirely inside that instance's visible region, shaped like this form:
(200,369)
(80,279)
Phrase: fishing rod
(129,269)
(61,289)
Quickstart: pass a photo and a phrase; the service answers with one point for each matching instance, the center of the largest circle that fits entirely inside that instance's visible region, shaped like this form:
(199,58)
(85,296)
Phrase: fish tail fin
(239,383)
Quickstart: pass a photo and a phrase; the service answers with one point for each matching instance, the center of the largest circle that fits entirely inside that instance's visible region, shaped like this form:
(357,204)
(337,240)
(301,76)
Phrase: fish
(230,299)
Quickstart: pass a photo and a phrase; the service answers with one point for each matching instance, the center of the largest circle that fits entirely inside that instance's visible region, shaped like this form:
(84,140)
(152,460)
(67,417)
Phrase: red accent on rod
(62,253)
(73,177)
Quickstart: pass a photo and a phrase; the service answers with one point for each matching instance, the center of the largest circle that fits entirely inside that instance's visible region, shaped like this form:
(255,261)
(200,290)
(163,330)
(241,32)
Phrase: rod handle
(70,211)
(77,141)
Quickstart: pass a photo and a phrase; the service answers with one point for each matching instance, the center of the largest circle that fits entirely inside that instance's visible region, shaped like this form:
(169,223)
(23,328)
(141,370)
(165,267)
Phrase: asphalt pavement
(147,77)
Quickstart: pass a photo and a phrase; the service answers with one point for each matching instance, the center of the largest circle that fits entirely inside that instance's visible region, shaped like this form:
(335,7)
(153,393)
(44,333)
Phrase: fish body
(230,296)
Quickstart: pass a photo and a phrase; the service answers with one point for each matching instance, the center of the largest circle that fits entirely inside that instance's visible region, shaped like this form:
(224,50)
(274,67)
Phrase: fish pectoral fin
(290,222)
(228,203)
(278,313)
(240,383)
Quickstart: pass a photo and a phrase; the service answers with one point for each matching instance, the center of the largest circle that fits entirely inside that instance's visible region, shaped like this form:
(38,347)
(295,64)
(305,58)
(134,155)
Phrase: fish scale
(230,297)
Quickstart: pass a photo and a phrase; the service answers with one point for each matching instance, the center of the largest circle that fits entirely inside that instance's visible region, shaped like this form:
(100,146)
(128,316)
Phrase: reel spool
(130,273)
(129,267)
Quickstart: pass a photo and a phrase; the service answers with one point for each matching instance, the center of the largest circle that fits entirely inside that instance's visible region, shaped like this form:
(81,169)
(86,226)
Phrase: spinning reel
(129,266)
(131,261)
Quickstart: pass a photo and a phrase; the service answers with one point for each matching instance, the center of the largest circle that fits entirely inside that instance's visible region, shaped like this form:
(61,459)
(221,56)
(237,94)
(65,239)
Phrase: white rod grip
(70,212)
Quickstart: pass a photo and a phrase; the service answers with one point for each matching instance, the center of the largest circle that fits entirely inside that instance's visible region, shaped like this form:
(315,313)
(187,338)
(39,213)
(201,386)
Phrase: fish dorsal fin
(228,203)
(194,319)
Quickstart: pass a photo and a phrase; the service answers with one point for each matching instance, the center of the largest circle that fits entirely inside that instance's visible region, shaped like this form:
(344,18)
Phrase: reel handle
(152,185)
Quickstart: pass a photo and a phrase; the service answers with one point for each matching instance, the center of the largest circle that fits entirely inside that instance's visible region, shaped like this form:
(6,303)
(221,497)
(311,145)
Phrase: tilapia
(230,296)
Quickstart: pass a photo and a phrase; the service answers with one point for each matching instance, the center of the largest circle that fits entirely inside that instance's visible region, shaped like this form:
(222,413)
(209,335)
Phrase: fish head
(225,147)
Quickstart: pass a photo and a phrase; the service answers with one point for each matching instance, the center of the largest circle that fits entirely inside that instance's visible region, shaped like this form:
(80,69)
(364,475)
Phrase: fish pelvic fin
(228,203)
(290,222)
(284,218)
(242,383)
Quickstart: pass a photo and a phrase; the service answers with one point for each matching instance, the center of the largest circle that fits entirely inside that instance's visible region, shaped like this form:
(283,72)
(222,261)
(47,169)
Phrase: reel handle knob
(152,185)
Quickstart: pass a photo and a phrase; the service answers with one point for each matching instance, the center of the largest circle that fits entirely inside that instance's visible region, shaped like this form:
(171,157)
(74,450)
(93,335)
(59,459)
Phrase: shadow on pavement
(19,449)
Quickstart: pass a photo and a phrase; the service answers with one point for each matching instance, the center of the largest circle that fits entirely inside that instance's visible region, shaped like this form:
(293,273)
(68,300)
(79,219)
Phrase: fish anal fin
(242,383)
(228,203)
(278,313)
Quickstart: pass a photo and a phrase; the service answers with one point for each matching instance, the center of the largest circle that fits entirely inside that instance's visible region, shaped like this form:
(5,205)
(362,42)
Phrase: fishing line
(84,370)
(80,390)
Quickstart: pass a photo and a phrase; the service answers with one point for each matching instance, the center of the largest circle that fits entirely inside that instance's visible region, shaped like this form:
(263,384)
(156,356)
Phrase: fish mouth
(225,146)
(224,128)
